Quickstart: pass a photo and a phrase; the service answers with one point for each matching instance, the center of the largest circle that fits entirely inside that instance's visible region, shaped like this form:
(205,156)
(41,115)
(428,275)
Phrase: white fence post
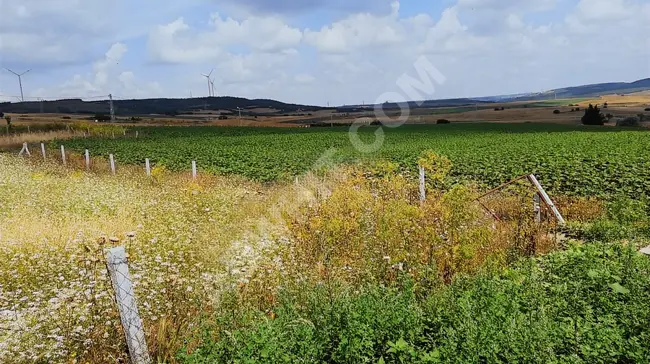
(537,208)
(136,134)
(126,303)
(87,154)
(147,166)
(547,200)
(63,155)
(25,150)
(423,191)
(43,150)
(193,169)
(110,156)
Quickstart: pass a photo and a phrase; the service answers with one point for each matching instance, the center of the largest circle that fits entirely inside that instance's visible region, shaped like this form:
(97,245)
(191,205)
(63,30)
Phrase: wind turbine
(209,82)
(212,87)
(20,82)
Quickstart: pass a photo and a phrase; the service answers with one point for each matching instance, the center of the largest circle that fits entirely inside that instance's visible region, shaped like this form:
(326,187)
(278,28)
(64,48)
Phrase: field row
(567,159)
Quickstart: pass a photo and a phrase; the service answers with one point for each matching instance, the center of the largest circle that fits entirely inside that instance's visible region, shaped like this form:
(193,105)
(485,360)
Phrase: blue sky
(317,51)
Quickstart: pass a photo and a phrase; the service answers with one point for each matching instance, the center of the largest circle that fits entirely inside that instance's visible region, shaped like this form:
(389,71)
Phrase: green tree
(593,116)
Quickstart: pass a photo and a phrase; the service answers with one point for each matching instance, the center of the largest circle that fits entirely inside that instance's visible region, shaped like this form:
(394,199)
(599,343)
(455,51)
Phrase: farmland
(572,160)
(292,245)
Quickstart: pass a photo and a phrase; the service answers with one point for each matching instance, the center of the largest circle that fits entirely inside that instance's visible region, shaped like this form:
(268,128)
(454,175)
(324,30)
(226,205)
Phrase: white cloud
(177,42)
(359,31)
(106,77)
(304,78)
(481,46)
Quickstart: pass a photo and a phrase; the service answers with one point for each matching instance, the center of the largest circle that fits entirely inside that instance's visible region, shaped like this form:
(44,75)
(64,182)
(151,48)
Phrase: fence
(126,303)
(112,163)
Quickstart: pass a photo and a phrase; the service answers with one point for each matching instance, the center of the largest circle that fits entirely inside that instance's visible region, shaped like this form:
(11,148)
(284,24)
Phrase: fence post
(63,155)
(193,169)
(537,209)
(547,200)
(147,166)
(126,304)
(87,154)
(110,156)
(423,191)
(136,134)
(43,150)
(25,150)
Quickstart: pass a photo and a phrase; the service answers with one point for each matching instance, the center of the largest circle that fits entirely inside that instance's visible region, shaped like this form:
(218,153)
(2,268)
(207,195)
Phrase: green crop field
(567,159)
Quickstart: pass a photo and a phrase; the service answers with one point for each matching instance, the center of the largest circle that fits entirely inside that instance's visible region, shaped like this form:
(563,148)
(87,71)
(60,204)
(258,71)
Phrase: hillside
(272,107)
(591,90)
(154,106)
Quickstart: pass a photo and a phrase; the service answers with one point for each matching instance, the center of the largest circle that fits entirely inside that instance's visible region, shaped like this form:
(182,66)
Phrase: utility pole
(239,109)
(20,82)
(110,97)
(41,100)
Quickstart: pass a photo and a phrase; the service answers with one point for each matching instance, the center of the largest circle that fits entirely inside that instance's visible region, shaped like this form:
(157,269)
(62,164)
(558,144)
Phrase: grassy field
(573,160)
(344,264)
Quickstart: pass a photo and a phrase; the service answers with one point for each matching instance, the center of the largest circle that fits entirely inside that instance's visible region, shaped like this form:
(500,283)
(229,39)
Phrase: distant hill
(272,107)
(155,106)
(592,90)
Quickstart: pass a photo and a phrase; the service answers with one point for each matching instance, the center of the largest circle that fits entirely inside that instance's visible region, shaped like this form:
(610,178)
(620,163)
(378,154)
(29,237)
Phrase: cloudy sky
(317,51)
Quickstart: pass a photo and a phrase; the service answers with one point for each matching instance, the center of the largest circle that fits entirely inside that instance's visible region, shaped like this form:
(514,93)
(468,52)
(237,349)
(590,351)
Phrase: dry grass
(194,240)
(55,298)
(16,140)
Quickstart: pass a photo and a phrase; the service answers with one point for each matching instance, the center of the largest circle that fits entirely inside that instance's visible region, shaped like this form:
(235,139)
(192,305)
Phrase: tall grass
(56,302)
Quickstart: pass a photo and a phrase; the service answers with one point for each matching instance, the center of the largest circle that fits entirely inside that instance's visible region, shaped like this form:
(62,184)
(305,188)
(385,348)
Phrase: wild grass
(181,236)
(217,252)
(36,133)
(584,305)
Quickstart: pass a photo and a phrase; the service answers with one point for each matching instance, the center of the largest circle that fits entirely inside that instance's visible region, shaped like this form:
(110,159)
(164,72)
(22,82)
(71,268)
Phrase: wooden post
(43,150)
(423,191)
(25,150)
(193,169)
(29,131)
(124,131)
(537,208)
(63,155)
(136,134)
(87,154)
(547,200)
(110,156)
(147,166)
(127,305)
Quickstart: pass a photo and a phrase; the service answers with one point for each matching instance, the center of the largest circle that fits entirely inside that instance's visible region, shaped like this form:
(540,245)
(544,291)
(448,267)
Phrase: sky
(316,51)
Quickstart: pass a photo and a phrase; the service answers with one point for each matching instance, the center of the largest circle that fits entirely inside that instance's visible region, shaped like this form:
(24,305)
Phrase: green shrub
(629,121)
(588,304)
(593,116)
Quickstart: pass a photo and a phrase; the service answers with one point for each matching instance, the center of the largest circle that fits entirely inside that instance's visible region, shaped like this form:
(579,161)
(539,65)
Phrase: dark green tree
(593,116)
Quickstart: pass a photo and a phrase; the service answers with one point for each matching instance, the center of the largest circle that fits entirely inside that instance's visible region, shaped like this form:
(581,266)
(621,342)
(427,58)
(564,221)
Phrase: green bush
(629,121)
(593,116)
(588,304)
